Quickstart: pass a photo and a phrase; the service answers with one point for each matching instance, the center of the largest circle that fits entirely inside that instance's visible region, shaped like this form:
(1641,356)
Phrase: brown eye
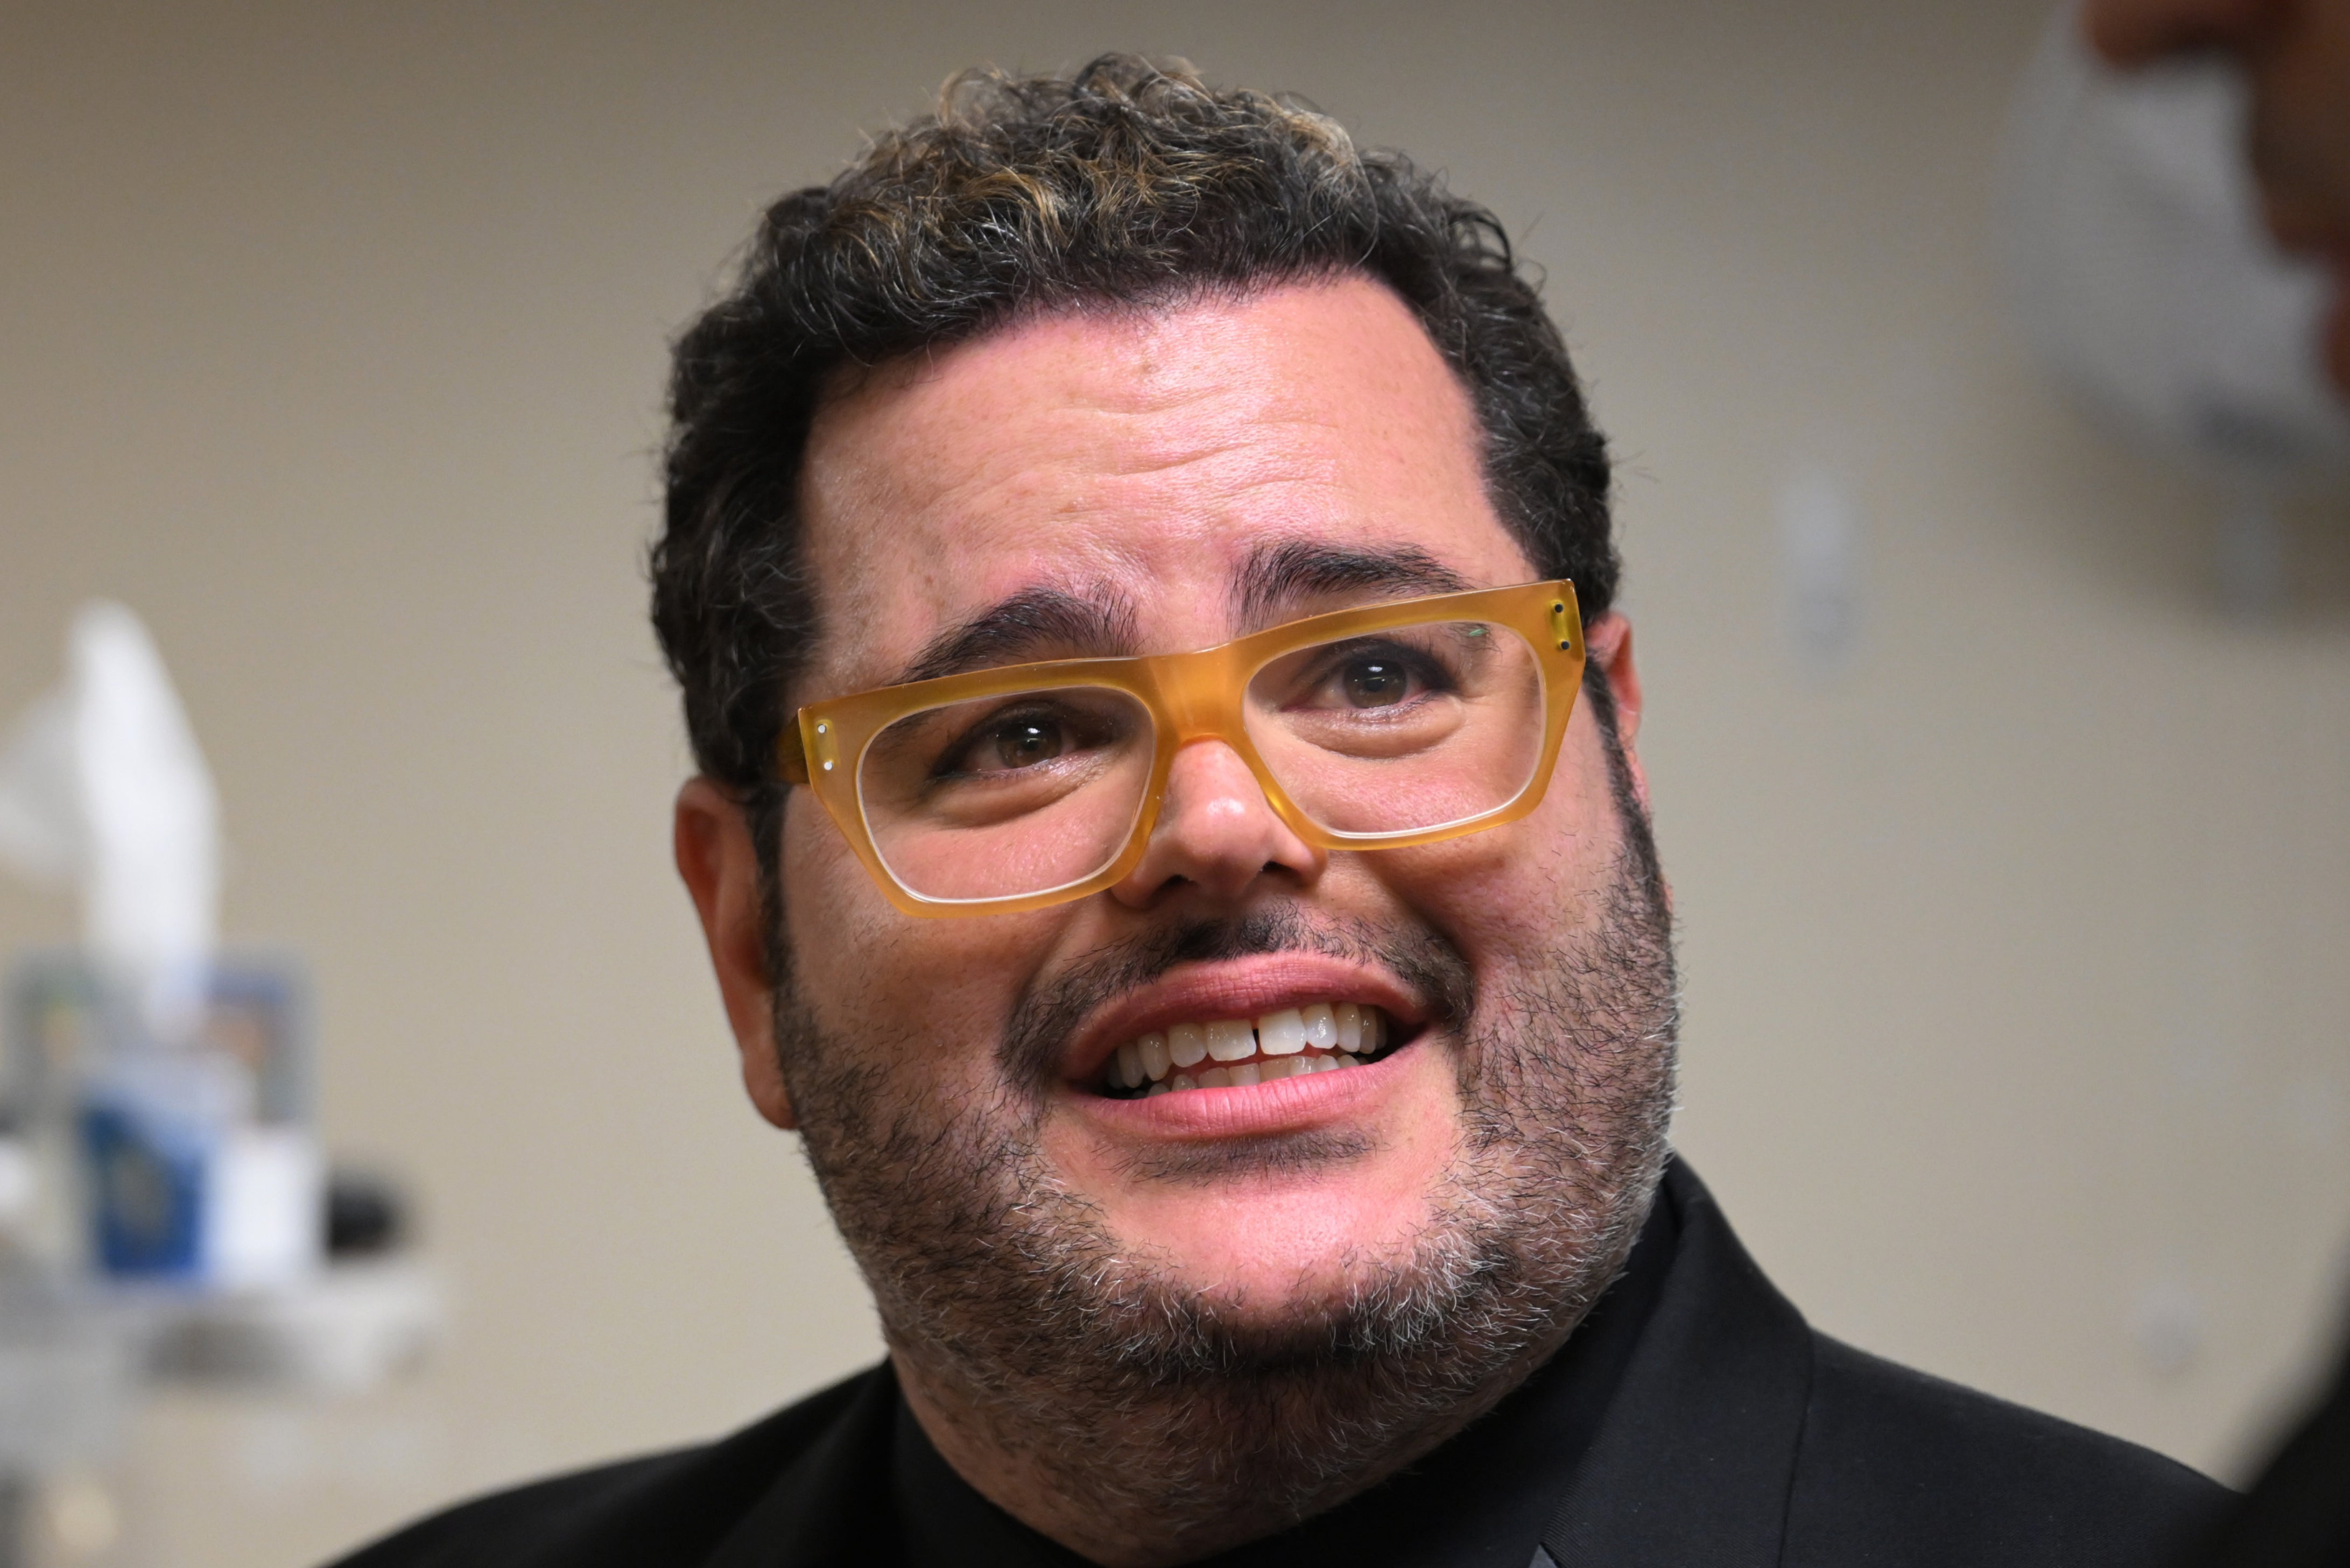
(1376,682)
(1024,743)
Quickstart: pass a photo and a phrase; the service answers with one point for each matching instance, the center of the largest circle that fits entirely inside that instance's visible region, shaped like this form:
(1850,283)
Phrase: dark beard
(1152,1408)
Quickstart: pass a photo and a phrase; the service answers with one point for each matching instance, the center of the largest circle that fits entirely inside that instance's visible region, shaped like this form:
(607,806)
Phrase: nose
(1217,832)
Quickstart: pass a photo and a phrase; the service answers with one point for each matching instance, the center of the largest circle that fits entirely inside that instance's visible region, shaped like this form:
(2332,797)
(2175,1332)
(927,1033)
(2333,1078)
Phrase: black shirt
(1693,1421)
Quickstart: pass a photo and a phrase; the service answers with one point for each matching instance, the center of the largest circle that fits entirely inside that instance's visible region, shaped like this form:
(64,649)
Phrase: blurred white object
(2143,276)
(101,784)
(263,1223)
(1819,545)
(350,1328)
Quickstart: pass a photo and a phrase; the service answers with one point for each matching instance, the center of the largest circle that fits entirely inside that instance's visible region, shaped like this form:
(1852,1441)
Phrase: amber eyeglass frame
(1190,697)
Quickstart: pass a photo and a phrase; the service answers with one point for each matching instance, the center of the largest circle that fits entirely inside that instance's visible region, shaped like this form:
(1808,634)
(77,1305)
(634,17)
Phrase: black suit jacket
(1737,1436)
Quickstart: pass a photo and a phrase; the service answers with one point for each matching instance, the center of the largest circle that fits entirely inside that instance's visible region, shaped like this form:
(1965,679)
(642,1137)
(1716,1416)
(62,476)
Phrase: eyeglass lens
(1394,731)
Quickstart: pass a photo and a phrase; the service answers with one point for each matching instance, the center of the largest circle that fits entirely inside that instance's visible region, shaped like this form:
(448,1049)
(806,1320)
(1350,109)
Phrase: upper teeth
(1317,1038)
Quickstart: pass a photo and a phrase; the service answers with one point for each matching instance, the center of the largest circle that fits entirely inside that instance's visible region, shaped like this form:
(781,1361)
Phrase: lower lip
(1252,1110)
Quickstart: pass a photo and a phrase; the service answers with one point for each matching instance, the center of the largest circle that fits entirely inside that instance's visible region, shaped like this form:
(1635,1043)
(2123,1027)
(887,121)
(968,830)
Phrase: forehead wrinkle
(1111,422)
(1139,466)
(1019,485)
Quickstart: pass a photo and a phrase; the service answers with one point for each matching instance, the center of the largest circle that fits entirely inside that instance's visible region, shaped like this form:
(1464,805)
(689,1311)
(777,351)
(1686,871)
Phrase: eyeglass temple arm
(791,753)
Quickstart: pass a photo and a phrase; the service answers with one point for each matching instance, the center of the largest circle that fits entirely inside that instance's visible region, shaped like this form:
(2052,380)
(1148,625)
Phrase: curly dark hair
(1129,183)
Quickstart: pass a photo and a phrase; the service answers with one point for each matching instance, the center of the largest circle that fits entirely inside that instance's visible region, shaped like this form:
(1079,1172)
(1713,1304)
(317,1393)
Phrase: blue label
(147,1195)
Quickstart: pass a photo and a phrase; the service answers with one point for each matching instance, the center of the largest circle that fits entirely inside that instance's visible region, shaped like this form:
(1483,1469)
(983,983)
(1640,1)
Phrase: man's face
(1147,463)
(1162,481)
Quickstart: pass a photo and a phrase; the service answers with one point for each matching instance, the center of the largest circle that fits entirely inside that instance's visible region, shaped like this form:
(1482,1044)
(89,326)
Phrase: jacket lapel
(1692,1463)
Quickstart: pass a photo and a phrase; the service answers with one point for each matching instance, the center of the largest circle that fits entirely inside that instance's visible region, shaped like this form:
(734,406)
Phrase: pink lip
(1236,988)
(1260,1110)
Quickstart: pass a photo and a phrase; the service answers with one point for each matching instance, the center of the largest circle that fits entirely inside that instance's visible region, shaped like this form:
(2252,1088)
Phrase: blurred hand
(2295,54)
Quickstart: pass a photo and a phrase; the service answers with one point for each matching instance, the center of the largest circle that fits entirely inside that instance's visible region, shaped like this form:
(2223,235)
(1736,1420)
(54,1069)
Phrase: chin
(1286,1248)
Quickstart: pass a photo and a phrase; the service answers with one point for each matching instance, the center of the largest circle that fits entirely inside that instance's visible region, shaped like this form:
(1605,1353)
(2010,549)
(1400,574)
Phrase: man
(1171,843)
(2295,58)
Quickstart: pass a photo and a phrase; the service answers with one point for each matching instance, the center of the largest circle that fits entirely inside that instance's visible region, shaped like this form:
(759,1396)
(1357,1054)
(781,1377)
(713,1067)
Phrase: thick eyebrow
(1279,578)
(1034,623)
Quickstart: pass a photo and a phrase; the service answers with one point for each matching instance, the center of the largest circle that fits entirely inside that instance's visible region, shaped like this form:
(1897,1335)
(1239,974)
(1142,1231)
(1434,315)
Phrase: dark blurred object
(2291,59)
(364,1216)
(2297,1514)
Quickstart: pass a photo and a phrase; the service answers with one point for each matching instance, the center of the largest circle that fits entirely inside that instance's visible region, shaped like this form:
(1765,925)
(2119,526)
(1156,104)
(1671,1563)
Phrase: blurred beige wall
(331,339)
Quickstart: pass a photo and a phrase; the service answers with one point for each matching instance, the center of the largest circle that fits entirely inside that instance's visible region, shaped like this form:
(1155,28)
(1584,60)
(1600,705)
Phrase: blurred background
(2012,856)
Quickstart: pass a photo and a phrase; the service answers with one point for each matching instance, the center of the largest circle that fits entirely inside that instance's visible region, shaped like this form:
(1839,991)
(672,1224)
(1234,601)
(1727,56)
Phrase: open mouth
(1235,1052)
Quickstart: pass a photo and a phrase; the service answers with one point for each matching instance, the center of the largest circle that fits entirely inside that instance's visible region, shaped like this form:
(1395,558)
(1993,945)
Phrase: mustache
(1431,969)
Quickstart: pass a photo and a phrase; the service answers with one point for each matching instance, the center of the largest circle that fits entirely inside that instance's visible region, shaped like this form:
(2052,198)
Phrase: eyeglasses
(1375,728)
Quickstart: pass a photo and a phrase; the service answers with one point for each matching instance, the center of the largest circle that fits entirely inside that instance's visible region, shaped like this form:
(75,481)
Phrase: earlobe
(716,857)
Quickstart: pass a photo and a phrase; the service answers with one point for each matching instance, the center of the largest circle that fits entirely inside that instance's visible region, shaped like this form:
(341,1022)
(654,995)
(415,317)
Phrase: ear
(721,868)
(1607,643)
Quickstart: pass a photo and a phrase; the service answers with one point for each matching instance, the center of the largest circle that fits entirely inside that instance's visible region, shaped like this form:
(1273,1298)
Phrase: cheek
(1515,891)
(935,992)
